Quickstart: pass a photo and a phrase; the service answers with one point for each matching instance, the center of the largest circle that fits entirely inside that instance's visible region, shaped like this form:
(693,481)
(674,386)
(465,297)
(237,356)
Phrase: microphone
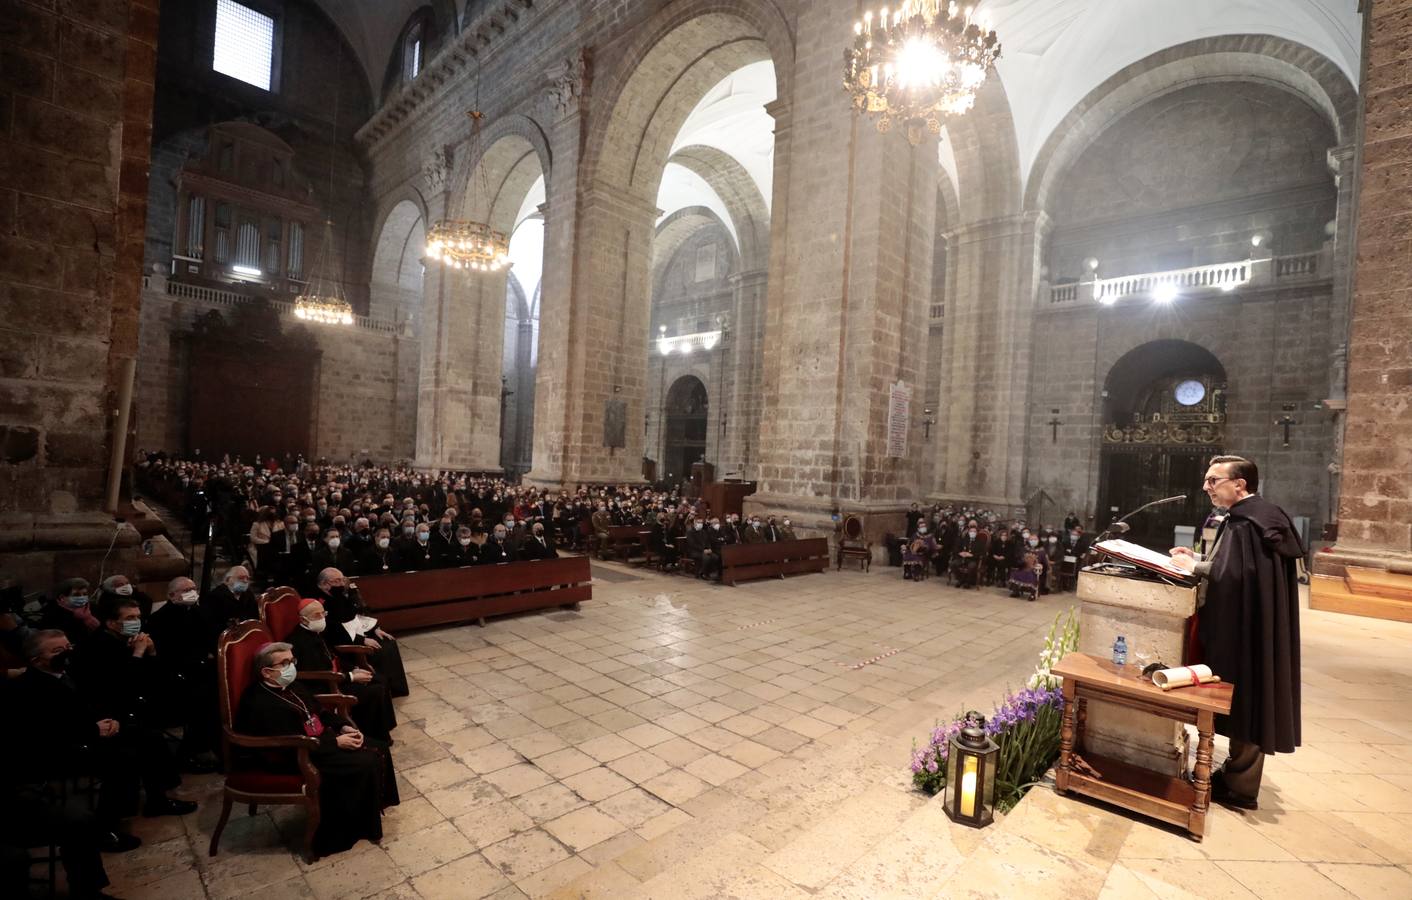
(1121,526)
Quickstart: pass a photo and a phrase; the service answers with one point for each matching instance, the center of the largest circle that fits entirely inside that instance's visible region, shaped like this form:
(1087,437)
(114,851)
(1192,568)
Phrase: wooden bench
(469,594)
(1173,800)
(622,541)
(742,562)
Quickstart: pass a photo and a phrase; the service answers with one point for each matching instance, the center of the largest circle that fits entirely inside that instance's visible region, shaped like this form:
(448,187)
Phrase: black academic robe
(341,559)
(1249,624)
(494,552)
(224,607)
(457,556)
(355,785)
(373,712)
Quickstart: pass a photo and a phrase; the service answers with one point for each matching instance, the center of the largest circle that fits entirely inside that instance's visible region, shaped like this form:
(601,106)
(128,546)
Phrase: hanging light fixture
(920,62)
(322,299)
(466,243)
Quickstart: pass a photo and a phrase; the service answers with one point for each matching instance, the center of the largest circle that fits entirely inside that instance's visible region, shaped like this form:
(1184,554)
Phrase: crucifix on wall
(1054,424)
(1287,420)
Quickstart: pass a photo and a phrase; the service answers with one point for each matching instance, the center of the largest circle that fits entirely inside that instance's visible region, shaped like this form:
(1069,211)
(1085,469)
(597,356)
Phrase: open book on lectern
(1140,556)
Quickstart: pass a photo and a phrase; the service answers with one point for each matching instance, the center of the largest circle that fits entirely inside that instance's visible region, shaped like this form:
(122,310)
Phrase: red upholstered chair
(279,610)
(235,660)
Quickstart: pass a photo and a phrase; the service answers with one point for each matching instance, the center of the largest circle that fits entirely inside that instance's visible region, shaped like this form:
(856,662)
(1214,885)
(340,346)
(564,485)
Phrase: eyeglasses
(1208,481)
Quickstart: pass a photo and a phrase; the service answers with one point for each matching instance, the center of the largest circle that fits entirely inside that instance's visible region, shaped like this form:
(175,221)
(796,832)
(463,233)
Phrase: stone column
(743,379)
(1343,162)
(848,292)
(1375,498)
(985,382)
(463,322)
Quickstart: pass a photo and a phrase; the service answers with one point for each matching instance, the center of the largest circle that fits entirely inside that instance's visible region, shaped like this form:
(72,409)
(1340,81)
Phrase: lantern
(970,774)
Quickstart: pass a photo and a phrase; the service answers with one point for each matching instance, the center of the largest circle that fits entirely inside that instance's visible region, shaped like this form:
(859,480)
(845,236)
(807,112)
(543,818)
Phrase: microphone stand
(1121,525)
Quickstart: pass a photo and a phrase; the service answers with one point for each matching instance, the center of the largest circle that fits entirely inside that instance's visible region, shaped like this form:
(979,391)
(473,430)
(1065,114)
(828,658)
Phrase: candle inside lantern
(968,787)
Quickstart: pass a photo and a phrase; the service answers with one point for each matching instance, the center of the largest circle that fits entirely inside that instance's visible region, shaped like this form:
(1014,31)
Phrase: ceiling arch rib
(729,180)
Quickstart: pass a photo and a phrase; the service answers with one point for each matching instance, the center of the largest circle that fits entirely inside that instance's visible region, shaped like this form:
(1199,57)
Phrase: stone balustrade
(1257,271)
(218,297)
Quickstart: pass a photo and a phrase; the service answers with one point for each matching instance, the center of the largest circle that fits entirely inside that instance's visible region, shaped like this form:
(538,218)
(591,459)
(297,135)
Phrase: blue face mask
(78,601)
(239,586)
(132,627)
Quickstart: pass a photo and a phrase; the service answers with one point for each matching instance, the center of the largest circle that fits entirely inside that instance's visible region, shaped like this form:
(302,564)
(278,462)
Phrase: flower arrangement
(1025,725)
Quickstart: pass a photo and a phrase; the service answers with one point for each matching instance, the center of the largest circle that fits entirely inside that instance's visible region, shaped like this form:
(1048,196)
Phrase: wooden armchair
(279,611)
(235,659)
(852,546)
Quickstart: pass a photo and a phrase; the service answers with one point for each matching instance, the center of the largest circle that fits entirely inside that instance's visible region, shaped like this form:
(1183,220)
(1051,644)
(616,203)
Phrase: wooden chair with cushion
(247,782)
(279,611)
(852,546)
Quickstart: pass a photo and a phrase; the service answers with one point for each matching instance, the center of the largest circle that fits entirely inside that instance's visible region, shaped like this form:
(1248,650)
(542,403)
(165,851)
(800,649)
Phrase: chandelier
(322,300)
(918,62)
(461,244)
(466,243)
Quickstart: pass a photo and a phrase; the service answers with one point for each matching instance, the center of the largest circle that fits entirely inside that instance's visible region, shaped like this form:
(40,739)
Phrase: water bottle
(1120,651)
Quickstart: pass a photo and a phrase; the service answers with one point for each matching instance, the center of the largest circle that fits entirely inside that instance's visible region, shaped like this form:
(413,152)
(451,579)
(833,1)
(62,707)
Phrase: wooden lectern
(1152,615)
(702,474)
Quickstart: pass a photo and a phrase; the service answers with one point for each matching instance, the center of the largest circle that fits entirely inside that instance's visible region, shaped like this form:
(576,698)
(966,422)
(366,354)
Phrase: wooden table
(1175,800)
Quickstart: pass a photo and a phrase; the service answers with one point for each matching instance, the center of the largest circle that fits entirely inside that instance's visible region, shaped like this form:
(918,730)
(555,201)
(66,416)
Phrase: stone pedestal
(1152,616)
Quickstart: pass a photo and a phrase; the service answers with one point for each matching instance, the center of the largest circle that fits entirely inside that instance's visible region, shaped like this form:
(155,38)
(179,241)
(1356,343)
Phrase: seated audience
(121,586)
(185,644)
(380,557)
(755,532)
(918,552)
(355,771)
(537,545)
(69,732)
(230,601)
(1024,581)
(313,652)
(70,611)
(463,550)
(970,551)
(347,625)
(497,548)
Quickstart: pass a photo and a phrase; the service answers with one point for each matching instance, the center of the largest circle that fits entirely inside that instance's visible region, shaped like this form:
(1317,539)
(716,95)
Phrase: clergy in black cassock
(1247,627)
(356,777)
(342,605)
(373,712)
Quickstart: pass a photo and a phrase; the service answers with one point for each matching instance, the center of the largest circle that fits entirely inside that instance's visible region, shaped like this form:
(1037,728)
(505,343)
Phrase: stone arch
(672,61)
(674,231)
(687,408)
(1276,61)
(395,277)
(987,154)
(746,206)
(515,151)
(1151,360)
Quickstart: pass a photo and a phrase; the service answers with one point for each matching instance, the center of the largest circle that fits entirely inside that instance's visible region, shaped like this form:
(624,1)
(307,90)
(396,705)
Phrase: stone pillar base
(42,550)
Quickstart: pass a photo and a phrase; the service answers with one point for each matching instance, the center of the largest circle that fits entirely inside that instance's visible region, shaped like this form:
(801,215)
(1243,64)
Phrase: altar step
(1362,591)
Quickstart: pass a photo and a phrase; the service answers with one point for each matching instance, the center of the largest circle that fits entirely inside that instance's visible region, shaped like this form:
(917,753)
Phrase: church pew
(742,562)
(447,596)
(622,542)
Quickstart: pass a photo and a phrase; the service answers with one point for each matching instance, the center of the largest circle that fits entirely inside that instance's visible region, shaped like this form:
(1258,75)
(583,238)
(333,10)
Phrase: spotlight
(1164,293)
(1257,239)
(1092,263)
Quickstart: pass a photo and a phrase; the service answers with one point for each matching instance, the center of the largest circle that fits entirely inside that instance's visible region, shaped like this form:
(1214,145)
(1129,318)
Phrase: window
(413,53)
(245,43)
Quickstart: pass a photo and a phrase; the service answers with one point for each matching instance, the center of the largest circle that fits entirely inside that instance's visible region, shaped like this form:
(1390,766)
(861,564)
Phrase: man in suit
(230,601)
(704,547)
(284,537)
(464,551)
(970,552)
(302,570)
(537,545)
(331,554)
(185,646)
(755,532)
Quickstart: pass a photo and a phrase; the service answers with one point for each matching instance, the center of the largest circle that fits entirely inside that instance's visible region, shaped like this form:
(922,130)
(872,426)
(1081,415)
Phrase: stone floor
(676,739)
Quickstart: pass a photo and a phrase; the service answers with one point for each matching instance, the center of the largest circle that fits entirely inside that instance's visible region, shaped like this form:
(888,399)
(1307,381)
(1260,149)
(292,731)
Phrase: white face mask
(464,542)
(921,531)
(186,598)
(334,543)
(316,625)
(698,526)
(123,591)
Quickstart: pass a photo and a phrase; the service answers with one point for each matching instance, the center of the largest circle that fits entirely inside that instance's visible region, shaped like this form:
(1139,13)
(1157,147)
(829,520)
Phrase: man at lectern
(1248,625)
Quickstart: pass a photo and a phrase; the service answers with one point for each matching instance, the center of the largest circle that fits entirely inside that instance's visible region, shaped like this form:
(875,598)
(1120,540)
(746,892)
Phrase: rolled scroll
(1183,676)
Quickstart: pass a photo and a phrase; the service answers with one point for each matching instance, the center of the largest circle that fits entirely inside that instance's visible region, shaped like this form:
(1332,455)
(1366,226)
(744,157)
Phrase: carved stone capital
(567,83)
(436,171)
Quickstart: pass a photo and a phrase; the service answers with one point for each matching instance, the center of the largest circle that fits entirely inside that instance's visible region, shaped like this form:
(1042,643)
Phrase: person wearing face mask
(230,601)
(754,533)
(537,545)
(332,553)
(122,586)
(356,776)
(703,545)
(373,713)
(381,556)
(279,552)
(185,640)
(497,548)
(970,551)
(344,609)
(785,532)
(421,556)
(117,671)
(463,551)
(1025,579)
(1000,557)
(601,521)
(302,558)
(917,553)
(70,611)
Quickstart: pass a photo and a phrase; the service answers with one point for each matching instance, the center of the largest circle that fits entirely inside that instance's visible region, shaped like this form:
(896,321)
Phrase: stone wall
(1273,344)
(75,124)
(366,403)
